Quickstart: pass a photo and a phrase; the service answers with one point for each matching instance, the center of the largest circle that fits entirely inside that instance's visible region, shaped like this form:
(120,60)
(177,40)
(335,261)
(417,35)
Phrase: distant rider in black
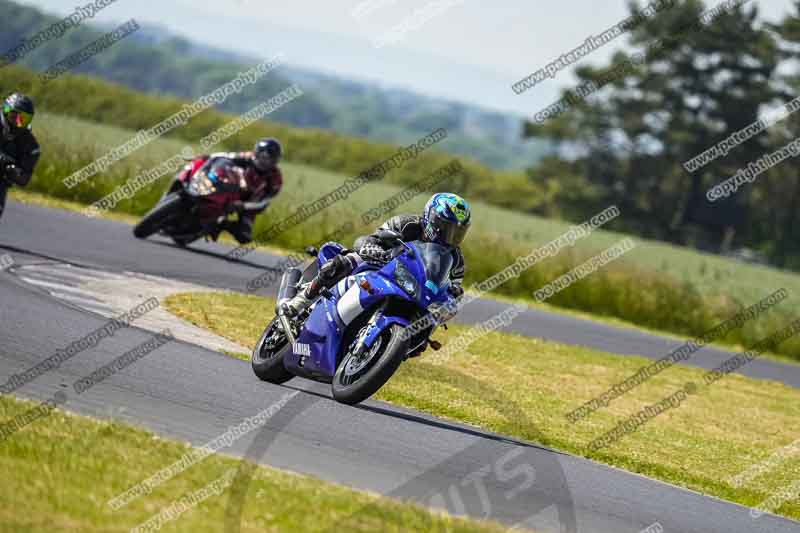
(19,150)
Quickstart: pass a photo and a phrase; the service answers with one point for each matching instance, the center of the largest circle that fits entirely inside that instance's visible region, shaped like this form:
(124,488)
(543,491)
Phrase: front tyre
(267,359)
(358,378)
(153,221)
(183,242)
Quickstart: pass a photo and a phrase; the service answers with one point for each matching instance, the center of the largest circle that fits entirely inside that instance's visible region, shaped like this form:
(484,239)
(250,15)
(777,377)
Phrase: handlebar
(6,161)
(394,238)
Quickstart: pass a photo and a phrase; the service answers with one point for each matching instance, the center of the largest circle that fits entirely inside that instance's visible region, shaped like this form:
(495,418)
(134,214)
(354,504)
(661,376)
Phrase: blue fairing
(428,293)
(323,334)
(319,342)
(382,323)
(328,251)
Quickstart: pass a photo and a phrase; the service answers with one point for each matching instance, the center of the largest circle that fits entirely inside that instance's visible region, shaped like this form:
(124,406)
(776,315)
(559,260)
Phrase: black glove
(12,175)
(456,291)
(374,254)
(234,207)
(6,162)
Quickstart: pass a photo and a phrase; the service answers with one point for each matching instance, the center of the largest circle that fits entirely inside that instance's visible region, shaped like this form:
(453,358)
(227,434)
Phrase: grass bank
(61,472)
(716,434)
(101,102)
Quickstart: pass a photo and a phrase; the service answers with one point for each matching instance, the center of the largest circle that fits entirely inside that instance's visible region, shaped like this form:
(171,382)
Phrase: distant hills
(158,62)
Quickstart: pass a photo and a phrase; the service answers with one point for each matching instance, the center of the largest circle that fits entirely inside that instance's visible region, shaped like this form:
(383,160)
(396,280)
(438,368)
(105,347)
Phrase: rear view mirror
(389,235)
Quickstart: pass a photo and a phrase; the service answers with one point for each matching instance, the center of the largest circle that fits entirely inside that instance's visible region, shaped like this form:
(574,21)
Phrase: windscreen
(224,177)
(438,261)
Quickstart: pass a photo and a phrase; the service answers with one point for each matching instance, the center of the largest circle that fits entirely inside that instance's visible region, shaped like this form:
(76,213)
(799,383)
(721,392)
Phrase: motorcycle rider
(445,220)
(19,150)
(264,181)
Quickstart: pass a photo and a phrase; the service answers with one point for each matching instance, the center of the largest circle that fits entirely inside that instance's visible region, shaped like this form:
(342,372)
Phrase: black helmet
(267,153)
(17,113)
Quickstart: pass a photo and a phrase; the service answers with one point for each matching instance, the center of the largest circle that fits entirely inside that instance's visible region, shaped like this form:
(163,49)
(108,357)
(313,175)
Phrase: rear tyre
(153,221)
(267,359)
(357,379)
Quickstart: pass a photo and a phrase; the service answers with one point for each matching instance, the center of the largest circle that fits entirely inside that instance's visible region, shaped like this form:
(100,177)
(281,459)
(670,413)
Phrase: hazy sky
(472,51)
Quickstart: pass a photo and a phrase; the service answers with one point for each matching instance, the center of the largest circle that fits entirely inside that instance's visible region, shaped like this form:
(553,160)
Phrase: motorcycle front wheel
(358,378)
(267,359)
(153,221)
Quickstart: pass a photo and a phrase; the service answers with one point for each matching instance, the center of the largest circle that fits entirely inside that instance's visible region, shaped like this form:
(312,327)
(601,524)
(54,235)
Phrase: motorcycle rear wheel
(357,379)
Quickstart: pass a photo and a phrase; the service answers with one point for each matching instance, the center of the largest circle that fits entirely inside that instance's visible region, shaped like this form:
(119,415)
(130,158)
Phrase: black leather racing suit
(23,150)
(371,249)
(410,229)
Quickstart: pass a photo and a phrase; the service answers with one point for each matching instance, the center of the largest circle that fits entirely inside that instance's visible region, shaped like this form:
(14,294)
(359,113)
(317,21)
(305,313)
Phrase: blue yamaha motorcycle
(354,336)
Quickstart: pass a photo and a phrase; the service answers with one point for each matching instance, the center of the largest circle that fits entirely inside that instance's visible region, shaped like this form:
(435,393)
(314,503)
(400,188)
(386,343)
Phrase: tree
(697,83)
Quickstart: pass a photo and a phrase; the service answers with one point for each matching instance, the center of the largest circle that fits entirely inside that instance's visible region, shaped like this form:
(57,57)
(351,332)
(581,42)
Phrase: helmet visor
(264,160)
(449,232)
(19,119)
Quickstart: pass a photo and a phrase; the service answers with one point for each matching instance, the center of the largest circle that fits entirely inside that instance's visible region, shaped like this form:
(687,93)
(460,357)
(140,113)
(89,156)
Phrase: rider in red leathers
(264,181)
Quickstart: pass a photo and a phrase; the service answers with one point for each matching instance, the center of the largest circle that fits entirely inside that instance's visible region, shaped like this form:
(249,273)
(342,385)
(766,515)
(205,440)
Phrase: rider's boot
(329,275)
(214,229)
(304,298)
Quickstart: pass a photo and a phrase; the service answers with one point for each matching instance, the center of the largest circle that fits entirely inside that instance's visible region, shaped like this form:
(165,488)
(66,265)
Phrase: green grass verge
(102,102)
(60,473)
(711,437)
(25,196)
(655,286)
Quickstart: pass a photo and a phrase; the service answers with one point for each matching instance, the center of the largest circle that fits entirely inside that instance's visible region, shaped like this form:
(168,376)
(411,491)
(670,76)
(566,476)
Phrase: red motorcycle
(196,203)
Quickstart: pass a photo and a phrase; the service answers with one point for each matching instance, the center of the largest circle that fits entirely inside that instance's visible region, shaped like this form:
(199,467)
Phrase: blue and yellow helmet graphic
(446,218)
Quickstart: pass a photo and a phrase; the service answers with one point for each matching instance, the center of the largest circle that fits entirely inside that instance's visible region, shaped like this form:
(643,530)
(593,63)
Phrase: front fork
(367,335)
(287,328)
(287,291)
(176,186)
(379,322)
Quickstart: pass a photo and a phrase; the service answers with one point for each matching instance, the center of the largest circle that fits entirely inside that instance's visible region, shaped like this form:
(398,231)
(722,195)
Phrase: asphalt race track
(187,392)
(109,245)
